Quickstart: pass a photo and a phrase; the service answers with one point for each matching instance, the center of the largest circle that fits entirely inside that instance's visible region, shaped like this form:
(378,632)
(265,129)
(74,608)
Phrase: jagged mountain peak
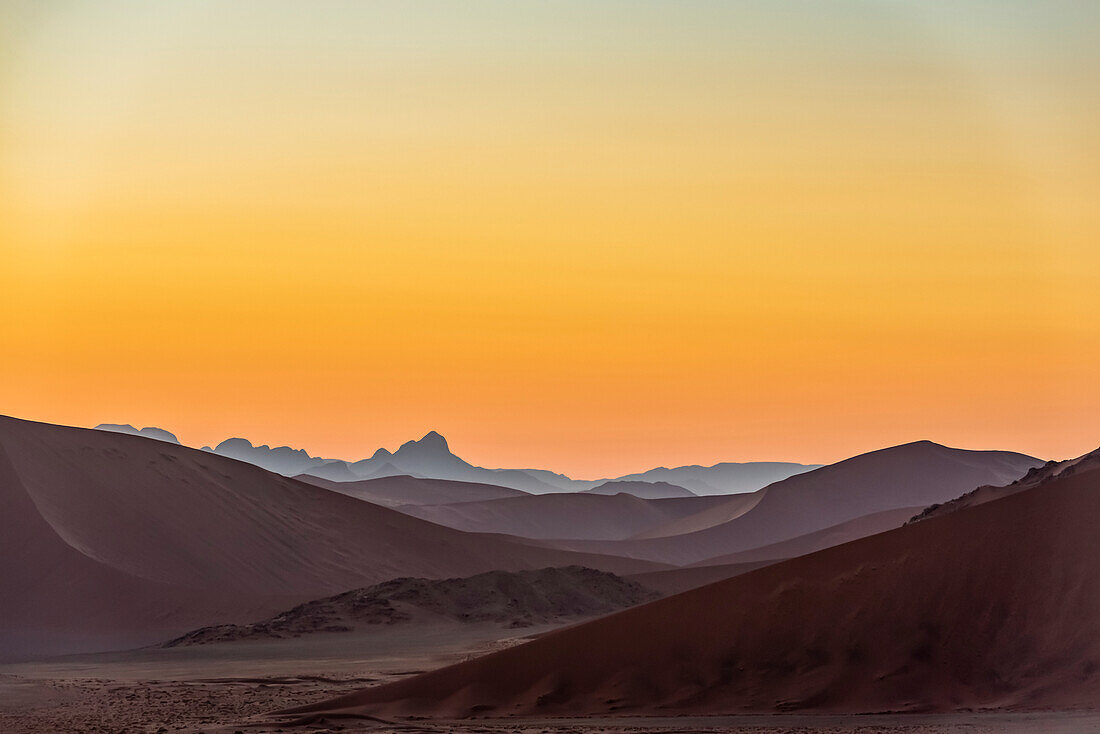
(431,441)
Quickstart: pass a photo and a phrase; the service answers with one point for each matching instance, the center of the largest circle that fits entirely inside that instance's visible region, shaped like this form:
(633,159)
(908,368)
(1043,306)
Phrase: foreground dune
(992,606)
(677,580)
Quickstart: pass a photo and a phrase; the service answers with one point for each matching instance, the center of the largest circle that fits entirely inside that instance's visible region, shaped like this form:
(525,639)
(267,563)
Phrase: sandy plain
(236,687)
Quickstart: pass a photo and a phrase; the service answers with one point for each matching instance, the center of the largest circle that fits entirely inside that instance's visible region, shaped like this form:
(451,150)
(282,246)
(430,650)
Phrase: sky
(595,237)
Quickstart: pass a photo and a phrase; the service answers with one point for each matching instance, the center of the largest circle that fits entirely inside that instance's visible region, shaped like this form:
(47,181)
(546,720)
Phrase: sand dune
(845,532)
(568,515)
(1034,477)
(401,490)
(729,507)
(677,580)
(108,536)
(996,605)
(54,598)
(910,475)
(645,490)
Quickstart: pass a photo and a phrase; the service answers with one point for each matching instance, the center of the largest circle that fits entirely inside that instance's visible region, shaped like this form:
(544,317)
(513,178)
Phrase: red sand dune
(405,490)
(845,532)
(55,599)
(993,606)
(1034,477)
(728,507)
(112,537)
(645,490)
(564,515)
(677,580)
(911,475)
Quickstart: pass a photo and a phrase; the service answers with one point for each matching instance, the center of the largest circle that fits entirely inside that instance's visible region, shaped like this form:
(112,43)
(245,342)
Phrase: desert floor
(234,687)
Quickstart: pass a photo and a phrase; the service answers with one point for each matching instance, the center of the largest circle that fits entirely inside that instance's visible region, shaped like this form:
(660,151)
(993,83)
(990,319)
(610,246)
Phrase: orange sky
(597,239)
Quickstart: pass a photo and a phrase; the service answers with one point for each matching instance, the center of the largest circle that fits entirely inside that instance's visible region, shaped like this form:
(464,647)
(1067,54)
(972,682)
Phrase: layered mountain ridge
(430,457)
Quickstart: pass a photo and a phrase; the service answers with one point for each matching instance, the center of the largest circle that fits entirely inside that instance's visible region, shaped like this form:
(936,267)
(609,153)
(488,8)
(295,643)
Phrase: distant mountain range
(149,432)
(431,458)
(281,460)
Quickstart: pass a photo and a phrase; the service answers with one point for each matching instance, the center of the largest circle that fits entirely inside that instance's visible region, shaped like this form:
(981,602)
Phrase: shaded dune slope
(724,509)
(993,606)
(645,490)
(676,580)
(396,491)
(564,515)
(845,532)
(55,599)
(1035,476)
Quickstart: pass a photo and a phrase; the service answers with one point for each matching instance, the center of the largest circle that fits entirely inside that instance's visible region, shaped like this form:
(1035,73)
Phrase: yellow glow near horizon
(595,240)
